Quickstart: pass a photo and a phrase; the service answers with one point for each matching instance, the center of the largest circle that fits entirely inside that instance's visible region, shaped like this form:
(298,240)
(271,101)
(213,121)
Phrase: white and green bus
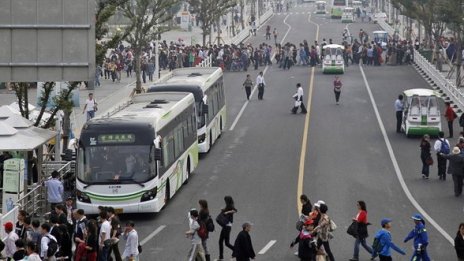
(207,86)
(137,157)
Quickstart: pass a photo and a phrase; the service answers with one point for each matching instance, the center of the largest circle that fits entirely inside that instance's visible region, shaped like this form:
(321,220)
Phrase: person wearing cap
(10,247)
(243,248)
(316,214)
(384,236)
(439,145)
(306,242)
(55,190)
(456,169)
(421,239)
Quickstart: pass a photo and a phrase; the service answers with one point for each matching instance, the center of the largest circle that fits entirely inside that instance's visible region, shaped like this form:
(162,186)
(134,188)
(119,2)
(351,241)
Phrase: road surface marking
(399,175)
(267,247)
(152,235)
(304,142)
(254,88)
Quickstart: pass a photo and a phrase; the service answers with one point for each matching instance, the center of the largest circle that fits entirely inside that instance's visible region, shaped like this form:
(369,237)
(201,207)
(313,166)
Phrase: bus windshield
(121,164)
(339,3)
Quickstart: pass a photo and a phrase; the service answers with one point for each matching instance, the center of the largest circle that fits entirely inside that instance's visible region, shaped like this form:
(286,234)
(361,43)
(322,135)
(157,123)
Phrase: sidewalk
(195,36)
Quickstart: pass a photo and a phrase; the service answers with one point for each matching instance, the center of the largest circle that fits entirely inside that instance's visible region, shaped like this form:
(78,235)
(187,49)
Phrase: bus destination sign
(116,138)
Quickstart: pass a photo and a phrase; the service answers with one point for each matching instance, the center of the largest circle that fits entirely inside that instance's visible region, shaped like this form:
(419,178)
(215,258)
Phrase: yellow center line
(304,142)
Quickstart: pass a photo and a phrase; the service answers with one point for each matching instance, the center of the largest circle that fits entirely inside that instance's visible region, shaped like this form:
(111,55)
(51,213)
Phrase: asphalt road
(346,159)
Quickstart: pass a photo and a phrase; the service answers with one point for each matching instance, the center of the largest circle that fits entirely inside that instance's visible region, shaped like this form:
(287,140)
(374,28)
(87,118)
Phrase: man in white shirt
(90,107)
(105,234)
(46,237)
(261,84)
(298,96)
(131,251)
(10,247)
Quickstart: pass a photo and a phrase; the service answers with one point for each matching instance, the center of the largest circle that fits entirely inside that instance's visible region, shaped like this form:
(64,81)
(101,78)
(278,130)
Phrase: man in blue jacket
(384,244)
(421,239)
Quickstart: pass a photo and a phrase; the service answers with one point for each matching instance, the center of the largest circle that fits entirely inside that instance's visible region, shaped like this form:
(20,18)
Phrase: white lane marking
(152,235)
(254,88)
(399,175)
(267,247)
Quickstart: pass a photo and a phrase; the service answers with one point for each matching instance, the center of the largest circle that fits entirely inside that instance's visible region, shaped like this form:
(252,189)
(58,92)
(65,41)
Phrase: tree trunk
(138,72)
(26,99)
(242,21)
(66,129)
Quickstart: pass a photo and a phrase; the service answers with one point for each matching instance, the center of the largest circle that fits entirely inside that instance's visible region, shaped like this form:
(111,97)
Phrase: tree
(62,101)
(105,10)
(425,11)
(208,12)
(144,16)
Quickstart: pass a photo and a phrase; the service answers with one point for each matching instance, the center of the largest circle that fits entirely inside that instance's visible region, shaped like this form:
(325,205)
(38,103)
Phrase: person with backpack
(441,147)
(205,222)
(196,252)
(361,231)
(383,242)
(421,239)
(456,169)
(226,220)
(48,244)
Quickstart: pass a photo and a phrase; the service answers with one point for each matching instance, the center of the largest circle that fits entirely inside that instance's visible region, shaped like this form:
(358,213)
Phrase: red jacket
(450,114)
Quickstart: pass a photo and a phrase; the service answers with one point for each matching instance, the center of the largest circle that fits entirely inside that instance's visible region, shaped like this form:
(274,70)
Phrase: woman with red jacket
(361,219)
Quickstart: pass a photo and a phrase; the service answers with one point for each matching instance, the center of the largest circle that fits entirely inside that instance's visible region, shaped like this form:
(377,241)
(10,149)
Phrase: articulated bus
(138,156)
(337,8)
(207,86)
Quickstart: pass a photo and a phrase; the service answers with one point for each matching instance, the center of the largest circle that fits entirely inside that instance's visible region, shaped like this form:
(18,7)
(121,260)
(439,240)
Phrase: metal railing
(243,34)
(35,201)
(208,62)
(448,87)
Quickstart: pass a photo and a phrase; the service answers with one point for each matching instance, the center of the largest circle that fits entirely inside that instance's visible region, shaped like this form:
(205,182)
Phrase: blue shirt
(54,191)
(419,233)
(399,105)
(386,243)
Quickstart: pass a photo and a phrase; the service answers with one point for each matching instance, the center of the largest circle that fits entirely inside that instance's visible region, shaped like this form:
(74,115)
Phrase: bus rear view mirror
(205,109)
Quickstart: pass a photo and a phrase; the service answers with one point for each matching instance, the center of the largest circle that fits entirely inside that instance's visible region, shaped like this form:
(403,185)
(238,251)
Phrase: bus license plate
(118,210)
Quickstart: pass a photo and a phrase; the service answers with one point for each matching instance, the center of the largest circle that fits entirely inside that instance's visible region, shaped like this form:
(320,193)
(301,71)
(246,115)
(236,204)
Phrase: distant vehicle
(381,38)
(333,59)
(207,86)
(421,114)
(348,15)
(320,7)
(138,156)
(308,1)
(379,16)
(357,4)
(337,8)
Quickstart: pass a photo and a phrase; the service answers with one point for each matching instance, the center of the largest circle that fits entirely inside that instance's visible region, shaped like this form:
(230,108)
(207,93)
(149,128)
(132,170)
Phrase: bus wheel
(188,171)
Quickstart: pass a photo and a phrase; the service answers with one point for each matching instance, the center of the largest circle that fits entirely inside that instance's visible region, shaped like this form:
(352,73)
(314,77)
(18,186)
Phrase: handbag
(299,225)
(353,229)
(222,219)
(332,226)
(107,243)
(429,161)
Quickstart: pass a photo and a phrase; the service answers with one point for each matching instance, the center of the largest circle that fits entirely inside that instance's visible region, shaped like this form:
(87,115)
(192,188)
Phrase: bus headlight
(201,138)
(82,197)
(149,195)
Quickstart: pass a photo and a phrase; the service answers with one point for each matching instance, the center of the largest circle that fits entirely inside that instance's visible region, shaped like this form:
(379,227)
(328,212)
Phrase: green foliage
(105,10)
(144,17)
(209,11)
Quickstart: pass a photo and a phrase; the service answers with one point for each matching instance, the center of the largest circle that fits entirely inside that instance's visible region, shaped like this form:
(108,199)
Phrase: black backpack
(52,247)
(377,246)
(209,224)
